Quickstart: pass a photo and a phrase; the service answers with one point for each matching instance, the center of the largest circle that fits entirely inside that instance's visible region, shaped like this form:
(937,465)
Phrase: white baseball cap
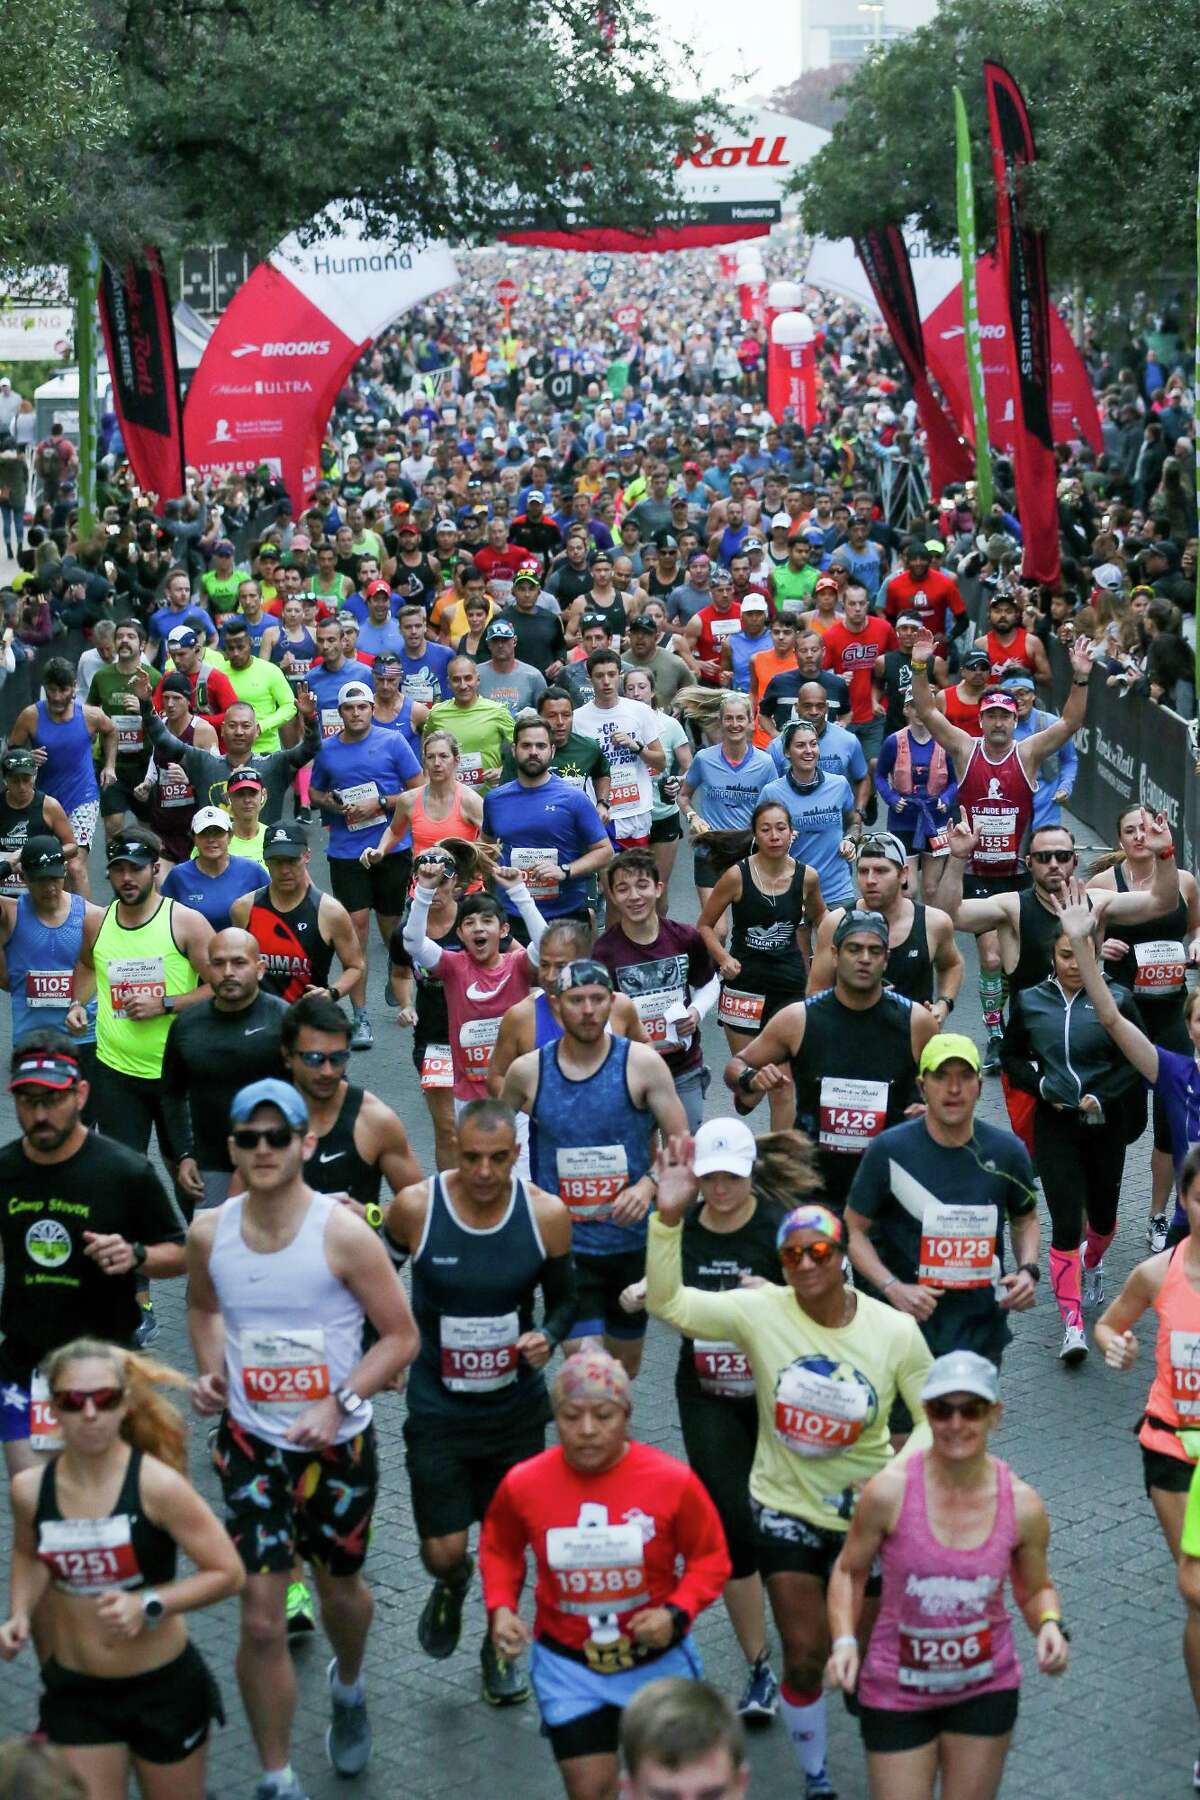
(724,1145)
(781,522)
(755,603)
(354,690)
(210,816)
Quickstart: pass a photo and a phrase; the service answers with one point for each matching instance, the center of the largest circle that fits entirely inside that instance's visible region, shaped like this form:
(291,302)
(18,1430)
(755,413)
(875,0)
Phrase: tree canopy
(1110,90)
(193,121)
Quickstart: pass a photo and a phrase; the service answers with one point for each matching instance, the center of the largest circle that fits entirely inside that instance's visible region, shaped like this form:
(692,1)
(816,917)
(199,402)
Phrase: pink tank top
(1175,1392)
(426,831)
(943,1633)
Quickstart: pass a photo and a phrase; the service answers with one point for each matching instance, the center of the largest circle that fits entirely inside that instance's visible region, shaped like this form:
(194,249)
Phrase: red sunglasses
(74,1400)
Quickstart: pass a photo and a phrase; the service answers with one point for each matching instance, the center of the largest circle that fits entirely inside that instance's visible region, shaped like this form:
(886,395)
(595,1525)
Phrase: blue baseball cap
(270,1092)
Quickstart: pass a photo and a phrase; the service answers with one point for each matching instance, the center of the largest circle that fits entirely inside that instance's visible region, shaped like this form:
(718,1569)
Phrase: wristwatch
(681,1624)
(745,1080)
(373,1214)
(1033,1270)
(153,1609)
(348,1401)
(944,1000)
(168,1003)
(139,1255)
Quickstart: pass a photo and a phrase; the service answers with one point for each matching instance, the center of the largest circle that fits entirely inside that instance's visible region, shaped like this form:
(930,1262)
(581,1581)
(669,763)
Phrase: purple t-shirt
(658,976)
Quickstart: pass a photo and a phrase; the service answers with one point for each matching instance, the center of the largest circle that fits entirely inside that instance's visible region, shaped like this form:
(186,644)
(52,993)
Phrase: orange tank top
(1175,1391)
(426,831)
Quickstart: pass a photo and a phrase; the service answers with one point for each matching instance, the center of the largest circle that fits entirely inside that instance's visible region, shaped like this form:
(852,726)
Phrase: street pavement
(1119,1726)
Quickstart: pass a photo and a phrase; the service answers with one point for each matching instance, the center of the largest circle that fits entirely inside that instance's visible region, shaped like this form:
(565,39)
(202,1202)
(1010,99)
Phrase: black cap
(285,840)
(18,761)
(977,659)
(42,855)
(177,684)
(131,850)
(644,622)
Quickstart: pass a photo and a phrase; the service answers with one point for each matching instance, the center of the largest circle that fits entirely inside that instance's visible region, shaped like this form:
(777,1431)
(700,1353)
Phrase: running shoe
(363,1036)
(991,1055)
(348,1739)
(819,1787)
(389,998)
(760,1700)
(504,1680)
(304,815)
(440,1624)
(1074,1346)
(1156,1237)
(270,1788)
(300,1620)
(148,1331)
(1091,1284)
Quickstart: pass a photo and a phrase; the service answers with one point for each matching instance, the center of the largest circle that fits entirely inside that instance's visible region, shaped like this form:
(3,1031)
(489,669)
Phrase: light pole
(875,8)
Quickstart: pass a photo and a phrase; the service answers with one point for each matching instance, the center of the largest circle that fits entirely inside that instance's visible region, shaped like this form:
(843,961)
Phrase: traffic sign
(506,291)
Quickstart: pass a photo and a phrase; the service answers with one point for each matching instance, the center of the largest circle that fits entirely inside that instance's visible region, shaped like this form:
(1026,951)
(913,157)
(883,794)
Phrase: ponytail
(725,848)
(152,1424)
(784,1169)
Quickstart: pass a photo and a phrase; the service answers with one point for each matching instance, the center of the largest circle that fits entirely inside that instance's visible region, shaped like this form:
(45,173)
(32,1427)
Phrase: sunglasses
(74,1400)
(248,1137)
(1052,856)
(313,1059)
(973,1408)
(820,1251)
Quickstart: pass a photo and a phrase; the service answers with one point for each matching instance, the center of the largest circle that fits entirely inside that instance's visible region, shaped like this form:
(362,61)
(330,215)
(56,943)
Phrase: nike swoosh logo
(256,1278)
(330,1155)
(189,1743)
(474,993)
(253,1030)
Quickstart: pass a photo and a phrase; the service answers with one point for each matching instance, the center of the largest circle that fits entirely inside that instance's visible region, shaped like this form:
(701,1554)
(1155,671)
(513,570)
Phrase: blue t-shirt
(214,895)
(840,753)
(1178,1087)
(725,795)
(383,761)
(326,684)
(424,678)
(555,817)
(817,815)
(165,620)
(375,639)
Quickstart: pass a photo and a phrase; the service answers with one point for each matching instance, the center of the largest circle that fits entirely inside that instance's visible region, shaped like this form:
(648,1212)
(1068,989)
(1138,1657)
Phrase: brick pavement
(1119,1726)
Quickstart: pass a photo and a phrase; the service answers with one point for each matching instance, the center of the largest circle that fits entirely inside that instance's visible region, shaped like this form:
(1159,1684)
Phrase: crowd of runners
(530,669)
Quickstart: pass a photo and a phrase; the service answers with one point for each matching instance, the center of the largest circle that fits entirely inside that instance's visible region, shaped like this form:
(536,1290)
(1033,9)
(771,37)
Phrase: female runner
(95,1538)
(443,807)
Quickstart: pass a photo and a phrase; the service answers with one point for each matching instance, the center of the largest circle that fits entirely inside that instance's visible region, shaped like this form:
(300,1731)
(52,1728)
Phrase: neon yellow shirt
(824,1395)
(264,686)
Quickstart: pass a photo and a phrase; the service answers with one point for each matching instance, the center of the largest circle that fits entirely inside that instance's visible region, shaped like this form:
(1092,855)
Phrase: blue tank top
(546,1028)
(472,1298)
(587,1141)
(68,774)
(303,649)
(404,725)
(742,650)
(38,957)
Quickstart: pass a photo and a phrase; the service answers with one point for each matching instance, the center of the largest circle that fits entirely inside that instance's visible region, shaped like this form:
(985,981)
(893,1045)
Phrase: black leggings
(1081,1168)
(719,1437)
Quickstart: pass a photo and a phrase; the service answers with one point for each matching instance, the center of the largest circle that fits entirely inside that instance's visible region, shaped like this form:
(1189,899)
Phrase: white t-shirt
(632,789)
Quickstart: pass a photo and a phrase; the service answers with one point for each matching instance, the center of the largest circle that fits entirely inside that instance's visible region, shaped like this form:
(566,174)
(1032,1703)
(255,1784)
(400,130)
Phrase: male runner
(681,1739)
(593,1101)
(61,731)
(546,829)
(26,812)
(262,685)
(41,932)
(482,1243)
(625,731)
(299,929)
(924,962)
(280,1281)
(209,773)
(481,727)
(112,690)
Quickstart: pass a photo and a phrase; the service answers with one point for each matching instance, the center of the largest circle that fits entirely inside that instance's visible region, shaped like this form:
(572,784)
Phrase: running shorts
(382,889)
(788,1545)
(162,1715)
(282,1503)
(453,1471)
(600,1282)
(886,1731)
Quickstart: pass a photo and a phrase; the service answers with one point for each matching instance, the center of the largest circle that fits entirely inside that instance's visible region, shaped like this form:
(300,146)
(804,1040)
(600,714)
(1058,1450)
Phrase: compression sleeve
(560,1296)
(529,916)
(690,1310)
(424,952)
(706,998)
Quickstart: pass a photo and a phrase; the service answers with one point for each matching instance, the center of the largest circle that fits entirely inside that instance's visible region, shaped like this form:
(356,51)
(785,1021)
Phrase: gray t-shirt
(685,601)
(517,688)
(670,673)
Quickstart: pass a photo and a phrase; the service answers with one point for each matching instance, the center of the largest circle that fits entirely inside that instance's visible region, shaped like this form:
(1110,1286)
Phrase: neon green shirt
(264,686)
(481,731)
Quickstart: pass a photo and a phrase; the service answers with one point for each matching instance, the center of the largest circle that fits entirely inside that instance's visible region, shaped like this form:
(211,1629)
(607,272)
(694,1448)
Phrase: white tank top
(293,1331)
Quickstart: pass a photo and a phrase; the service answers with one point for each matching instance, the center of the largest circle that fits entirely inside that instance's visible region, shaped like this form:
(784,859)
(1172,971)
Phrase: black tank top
(472,1298)
(1039,929)
(296,955)
(86,1556)
(17,824)
(909,965)
(764,936)
(335,1167)
(1161,1011)
(715,1261)
(844,1060)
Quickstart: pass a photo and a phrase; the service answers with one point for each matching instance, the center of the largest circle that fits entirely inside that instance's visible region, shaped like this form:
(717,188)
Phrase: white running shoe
(1156,1232)
(1074,1346)
(1091,1284)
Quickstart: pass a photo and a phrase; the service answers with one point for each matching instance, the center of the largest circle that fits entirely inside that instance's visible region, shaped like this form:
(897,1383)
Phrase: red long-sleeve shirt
(219,696)
(546,1505)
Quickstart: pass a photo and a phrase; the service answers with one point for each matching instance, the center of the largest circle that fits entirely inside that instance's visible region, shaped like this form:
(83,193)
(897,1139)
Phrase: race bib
(1160,968)
(14,881)
(331,721)
(997,839)
(175,793)
(437,1067)
(722,1369)
(958,1246)
(938,844)
(597,1568)
(44,1433)
(479,1355)
(591,1177)
(48,987)
(625,790)
(740,1010)
(652,1010)
(720,629)
(1185,1373)
(821,1410)
(944,1659)
(362,793)
(477,1038)
(129,733)
(285,1368)
(470,768)
(141,975)
(89,1555)
(528,858)
(852,1113)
